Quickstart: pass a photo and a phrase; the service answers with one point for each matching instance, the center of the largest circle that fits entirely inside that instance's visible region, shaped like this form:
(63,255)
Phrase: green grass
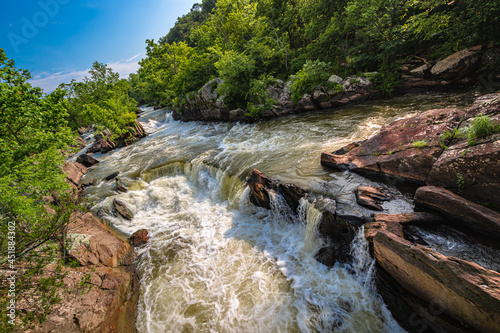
(420,144)
(481,127)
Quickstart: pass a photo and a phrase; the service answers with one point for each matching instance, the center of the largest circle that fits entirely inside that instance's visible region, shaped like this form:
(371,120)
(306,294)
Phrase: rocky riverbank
(425,290)
(105,261)
(419,76)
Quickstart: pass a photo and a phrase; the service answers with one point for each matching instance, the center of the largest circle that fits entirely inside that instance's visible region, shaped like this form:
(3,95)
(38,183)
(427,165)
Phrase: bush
(258,96)
(312,74)
(387,80)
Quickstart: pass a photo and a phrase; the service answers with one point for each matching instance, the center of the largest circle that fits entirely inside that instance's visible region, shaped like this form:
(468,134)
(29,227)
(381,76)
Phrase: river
(217,263)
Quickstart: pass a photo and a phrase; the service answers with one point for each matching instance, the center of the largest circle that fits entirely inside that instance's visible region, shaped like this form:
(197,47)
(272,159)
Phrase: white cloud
(50,81)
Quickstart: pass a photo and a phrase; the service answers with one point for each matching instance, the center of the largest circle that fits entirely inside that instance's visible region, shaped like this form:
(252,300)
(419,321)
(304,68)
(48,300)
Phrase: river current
(217,263)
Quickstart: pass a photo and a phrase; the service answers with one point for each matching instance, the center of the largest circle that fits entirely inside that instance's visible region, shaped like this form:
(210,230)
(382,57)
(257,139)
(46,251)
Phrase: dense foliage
(241,40)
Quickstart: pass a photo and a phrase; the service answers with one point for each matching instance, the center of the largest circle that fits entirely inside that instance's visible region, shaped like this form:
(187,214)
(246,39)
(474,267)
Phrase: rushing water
(217,263)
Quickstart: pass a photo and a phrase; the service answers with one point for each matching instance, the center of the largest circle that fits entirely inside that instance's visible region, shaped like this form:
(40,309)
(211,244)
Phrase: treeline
(246,41)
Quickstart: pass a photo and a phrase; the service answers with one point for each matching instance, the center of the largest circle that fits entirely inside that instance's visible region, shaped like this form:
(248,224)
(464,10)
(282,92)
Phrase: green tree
(35,200)
(102,99)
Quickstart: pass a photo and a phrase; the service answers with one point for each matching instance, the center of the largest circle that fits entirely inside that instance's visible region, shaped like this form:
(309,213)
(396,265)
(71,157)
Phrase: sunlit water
(217,263)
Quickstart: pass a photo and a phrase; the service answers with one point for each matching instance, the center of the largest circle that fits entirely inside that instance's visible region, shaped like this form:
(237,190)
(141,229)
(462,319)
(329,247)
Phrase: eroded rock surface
(462,290)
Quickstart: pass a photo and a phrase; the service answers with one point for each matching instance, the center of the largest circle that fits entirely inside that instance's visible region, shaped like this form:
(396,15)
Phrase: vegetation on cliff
(242,40)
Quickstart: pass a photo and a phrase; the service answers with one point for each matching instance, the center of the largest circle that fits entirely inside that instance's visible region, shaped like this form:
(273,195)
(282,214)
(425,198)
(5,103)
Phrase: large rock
(397,150)
(262,188)
(101,146)
(209,92)
(457,65)
(471,215)
(74,173)
(93,243)
(110,306)
(415,218)
(372,197)
(473,172)
(458,289)
(357,84)
(139,238)
(87,160)
(373,228)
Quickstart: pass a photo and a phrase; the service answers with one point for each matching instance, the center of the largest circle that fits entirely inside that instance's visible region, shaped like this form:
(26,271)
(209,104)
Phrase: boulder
(140,237)
(405,149)
(101,146)
(420,71)
(458,289)
(87,160)
(262,187)
(120,186)
(371,197)
(471,215)
(122,209)
(471,171)
(74,172)
(305,104)
(93,243)
(487,105)
(415,218)
(457,65)
(360,85)
(209,92)
(335,79)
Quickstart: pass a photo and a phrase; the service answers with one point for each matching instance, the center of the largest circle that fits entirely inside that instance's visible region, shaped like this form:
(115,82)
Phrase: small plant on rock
(481,127)
(420,144)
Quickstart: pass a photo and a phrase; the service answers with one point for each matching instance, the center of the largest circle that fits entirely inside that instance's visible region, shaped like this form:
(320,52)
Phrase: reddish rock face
(74,172)
(406,148)
(415,218)
(472,215)
(462,290)
(95,244)
(373,228)
(140,237)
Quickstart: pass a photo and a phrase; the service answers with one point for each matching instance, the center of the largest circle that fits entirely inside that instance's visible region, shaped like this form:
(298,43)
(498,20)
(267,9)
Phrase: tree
(35,200)
(102,99)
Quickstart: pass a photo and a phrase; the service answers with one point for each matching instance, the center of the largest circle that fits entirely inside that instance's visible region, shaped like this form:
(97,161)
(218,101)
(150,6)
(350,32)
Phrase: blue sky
(58,40)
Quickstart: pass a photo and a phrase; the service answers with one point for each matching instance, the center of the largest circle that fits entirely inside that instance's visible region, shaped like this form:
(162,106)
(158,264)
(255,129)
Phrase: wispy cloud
(50,81)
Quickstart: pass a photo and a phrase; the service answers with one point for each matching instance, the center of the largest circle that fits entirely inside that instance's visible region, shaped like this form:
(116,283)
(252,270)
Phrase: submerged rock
(120,186)
(112,176)
(461,291)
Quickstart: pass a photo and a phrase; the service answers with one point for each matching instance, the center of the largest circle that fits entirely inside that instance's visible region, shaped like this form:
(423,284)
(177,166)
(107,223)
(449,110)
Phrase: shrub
(312,74)
(387,80)
(258,96)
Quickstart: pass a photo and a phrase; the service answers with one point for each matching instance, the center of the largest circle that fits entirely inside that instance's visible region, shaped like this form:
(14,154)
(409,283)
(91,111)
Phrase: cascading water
(217,263)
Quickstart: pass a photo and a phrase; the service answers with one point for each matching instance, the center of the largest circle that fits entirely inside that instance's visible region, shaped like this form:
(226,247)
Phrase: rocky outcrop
(460,292)
(471,215)
(105,142)
(93,243)
(262,188)
(74,173)
(112,176)
(373,228)
(87,160)
(208,103)
(405,149)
